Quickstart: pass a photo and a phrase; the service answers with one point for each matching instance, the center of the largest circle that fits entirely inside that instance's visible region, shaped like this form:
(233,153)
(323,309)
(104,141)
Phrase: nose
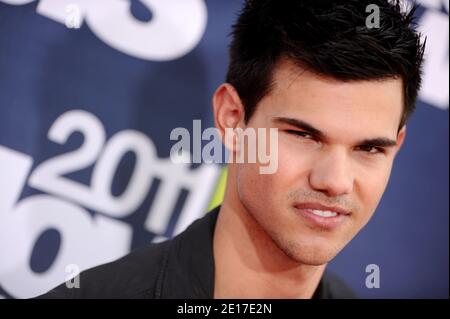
(331,173)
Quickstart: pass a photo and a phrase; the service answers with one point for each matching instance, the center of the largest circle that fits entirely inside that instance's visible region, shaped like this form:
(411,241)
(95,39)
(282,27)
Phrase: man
(339,91)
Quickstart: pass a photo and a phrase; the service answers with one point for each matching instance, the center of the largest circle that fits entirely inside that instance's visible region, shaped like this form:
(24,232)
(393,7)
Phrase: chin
(308,253)
(314,258)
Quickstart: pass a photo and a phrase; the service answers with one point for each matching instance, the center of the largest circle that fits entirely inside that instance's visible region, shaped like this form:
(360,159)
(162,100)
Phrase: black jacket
(182,267)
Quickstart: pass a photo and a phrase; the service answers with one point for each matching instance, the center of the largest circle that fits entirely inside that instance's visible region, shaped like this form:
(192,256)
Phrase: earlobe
(228,113)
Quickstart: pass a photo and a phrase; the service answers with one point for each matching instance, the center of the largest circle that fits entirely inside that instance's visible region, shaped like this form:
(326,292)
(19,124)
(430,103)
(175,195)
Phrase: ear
(400,138)
(228,114)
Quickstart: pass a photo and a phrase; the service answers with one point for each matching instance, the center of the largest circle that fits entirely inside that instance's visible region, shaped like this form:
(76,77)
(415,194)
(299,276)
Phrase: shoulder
(135,275)
(184,264)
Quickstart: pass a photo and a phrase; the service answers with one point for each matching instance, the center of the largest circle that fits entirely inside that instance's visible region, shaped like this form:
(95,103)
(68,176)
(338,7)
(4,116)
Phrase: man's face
(341,162)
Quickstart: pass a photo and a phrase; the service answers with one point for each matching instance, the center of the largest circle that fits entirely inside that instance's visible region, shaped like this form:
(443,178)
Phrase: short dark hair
(328,37)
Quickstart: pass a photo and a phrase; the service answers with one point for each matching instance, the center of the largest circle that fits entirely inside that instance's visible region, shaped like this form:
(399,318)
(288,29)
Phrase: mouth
(327,217)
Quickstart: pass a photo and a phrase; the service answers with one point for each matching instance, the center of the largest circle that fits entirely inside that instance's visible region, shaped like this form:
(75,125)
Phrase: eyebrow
(377,141)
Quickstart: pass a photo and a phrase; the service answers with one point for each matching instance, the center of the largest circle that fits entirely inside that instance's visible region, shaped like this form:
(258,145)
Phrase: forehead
(361,108)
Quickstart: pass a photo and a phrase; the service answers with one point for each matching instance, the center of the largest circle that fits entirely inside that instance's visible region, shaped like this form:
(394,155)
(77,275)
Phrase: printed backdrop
(89,93)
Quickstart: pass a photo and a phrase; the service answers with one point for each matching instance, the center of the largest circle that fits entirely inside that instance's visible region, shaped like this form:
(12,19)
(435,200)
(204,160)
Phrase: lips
(321,215)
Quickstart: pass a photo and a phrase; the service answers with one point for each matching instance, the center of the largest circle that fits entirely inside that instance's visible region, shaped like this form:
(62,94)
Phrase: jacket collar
(189,269)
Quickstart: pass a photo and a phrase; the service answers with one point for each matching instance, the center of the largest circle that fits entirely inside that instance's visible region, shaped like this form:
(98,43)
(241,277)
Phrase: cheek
(291,175)
(253,187)
(295,164)
(269,191)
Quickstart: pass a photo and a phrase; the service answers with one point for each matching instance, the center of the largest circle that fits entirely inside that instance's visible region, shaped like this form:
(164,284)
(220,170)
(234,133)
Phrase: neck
(248,264)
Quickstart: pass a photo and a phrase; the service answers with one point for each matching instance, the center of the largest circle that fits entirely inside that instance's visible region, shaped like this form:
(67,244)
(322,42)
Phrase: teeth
(323,213)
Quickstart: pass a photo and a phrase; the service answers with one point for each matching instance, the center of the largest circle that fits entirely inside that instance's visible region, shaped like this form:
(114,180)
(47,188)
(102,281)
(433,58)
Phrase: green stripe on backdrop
(217,198)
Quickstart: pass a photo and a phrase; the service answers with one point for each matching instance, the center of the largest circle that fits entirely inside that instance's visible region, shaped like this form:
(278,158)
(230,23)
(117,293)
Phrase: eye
(370,149)
(301,134)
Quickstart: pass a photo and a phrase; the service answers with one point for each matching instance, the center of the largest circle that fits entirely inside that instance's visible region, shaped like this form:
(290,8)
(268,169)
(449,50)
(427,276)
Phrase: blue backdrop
(89,93)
